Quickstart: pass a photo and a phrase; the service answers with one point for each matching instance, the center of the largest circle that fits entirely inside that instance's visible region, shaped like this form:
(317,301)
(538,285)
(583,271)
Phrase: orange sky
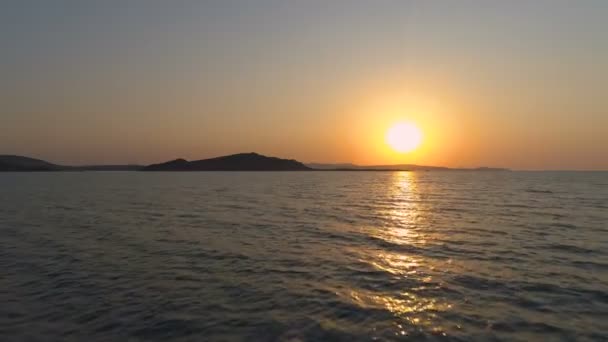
(519,85)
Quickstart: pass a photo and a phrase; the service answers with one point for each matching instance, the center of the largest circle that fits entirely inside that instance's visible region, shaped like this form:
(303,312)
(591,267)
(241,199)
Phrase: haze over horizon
(488,83)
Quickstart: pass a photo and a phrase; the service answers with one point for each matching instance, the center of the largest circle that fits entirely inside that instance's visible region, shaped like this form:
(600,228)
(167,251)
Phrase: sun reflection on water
(415,304)
(404,214)
(396,264)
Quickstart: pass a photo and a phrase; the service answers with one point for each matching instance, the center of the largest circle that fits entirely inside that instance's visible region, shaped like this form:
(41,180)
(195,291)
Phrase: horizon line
(445,168)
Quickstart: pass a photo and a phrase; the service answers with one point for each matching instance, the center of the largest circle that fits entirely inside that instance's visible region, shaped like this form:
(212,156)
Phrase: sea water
(304,256)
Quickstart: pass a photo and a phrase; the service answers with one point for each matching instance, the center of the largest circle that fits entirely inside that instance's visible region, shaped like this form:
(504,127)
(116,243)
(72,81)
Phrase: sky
(518,84)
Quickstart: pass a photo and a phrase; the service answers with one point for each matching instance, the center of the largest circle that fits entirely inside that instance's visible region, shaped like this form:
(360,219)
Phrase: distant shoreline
(247,162)
(311,170)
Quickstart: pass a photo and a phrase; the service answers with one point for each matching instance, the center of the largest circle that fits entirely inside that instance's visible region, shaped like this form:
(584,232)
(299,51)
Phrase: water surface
(304,256)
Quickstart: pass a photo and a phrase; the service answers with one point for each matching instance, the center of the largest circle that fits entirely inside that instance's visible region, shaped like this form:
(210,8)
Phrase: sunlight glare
(404,137)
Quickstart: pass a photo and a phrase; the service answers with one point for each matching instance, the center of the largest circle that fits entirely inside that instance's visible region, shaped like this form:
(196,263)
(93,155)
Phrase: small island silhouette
(236,162)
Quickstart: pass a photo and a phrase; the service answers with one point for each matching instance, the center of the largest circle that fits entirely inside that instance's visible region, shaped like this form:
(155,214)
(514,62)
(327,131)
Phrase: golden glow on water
(408,308)
(397,264)
(408,303)
(403,221)
(404,213)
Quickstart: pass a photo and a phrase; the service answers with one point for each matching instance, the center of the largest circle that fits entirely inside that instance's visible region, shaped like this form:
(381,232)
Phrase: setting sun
(404,137)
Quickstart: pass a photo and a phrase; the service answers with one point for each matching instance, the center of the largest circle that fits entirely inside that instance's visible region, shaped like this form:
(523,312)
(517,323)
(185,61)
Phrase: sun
(404,137)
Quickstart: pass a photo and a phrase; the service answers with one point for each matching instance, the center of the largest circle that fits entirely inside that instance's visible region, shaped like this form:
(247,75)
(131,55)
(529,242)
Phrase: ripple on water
(304,256)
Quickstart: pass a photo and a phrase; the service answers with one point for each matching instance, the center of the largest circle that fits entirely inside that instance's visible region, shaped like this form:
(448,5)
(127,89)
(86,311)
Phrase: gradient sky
(519,84)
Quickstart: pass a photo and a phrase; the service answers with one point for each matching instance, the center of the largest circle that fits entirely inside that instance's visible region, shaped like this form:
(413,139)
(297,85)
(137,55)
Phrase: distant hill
(235,162)
(21,163)
(395,167)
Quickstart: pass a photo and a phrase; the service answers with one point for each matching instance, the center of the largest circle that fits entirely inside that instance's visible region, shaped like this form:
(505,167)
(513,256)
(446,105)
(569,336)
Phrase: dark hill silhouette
(236,162)
(20,163)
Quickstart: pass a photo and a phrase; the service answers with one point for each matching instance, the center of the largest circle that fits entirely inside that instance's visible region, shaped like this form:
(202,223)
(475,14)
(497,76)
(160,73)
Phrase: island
(235,162)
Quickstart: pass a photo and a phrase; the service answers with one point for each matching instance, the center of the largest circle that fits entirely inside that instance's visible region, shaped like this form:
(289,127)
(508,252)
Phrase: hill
(20,163)
(236,162)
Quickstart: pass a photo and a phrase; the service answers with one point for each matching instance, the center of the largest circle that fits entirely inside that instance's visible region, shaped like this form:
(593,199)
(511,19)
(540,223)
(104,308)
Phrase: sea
(304,256)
